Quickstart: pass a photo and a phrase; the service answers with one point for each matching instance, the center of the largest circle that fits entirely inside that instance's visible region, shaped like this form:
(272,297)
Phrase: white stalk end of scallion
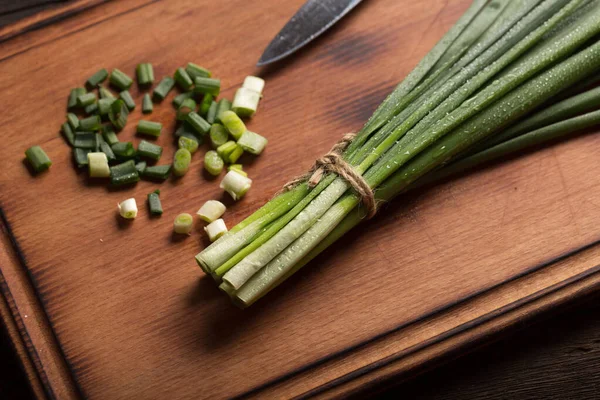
(211,211)
(128,209)
(236,184)
(183,224)
(245,102)
(215,229)
(98,165)
(254,83)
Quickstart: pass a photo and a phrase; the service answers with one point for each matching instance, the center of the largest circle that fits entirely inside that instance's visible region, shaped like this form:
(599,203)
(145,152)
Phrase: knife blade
(311,20)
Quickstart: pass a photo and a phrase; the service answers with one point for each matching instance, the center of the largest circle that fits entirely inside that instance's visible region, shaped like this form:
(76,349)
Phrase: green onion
(104,106)
(233,123)
(183,80)
(91,108)
(141,167)
(37,158)
(254,83)
(123,150)
(218,135)
(154,204)
(230,152)
(67,132)
(105,93)
(211,211)
(74,96)
(207,86)
(86,140)
(97,78)
(124,174)
(157,172)
(178,100)
(80,156)
(198,123)
(163,88)
(237,168)
(98,165)
(186,130)
(222,106)
(73,121)
(196,71)
(118,114)
(92,123)
(213,163)
(109,135)
(147,106)
(190,145)
(207,100)
(150,128)
(106,149)
(187,106)
(181,162)
(215,229)
(252,142)
(149,150)
(145,74)
(127,99)
(245,102)
(236,184)
(120,79)
(211,115)
(86,99)
(128,209)
(183,224)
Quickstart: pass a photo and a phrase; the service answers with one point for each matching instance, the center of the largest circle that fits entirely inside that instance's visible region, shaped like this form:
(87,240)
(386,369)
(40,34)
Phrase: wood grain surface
(131,313)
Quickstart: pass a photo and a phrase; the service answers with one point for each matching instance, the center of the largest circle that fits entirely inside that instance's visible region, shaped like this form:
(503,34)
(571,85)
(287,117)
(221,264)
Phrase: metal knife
(311,20)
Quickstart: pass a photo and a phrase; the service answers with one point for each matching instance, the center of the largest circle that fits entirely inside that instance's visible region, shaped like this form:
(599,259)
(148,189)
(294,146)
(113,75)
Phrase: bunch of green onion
(486,89)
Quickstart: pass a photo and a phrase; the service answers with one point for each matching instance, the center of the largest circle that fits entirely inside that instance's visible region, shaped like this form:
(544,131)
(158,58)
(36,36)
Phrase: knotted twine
(333,162)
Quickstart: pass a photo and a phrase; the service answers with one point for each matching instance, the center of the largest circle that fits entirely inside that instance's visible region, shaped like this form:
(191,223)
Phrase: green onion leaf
(96,79)
(149,150)
(163,88)
(124,173)
(154,204)
(145,74)
(147,106)
(37,158)
(127,99)
(118,114)
(182,79)
(120,79)
(207,85)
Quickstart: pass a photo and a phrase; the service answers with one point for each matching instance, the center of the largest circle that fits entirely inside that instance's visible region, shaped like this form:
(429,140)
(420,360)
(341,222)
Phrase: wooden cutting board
(112,310)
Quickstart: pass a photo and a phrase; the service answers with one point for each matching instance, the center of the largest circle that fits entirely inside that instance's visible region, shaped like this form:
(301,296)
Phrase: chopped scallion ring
(181,162)
(98,165)
(120,79)
(195,71)
(73,97)
(252,142)
(254,83)
(118,114)
(213,163)
(38,159)
(154,203)
(215,229)
(183,224)
(199,124)
(149,150)
(123,174)
(183,80)
(207,85)
(147,106)
(149,128)
(128,208)
(236,184)
(97,78)
(127,99)
(190,145)
(145,74)
(163,88)
(245,102)
(233,123)
(211,211)
(218,135)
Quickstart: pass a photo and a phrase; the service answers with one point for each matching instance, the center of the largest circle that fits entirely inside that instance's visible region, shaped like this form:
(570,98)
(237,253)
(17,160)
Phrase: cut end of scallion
(236,184)
(245,102)
(211,211)
(215,229)
(254,83)
(98,165)
(183,224)
(128,208)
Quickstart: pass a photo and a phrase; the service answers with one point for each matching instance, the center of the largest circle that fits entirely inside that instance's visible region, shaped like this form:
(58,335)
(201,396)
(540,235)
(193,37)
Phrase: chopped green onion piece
(234,155)
(150,128)
(158,172)
(147,106)
(211,115)
(213,162)
(86,99)
(149,150)
(207,86)
(211,211)
(97,78)
(207,100)
(74,96)
(123,150)
(235,184)
(178,100)
(145,74)
(73,121)
(188,131)
(91,109)
(186,107)
(163,88)
(225,149)
(154,203)
(124,173)
(234,124)
(218,135)
(68,133)
(215,229)
(109,135)
(237,168)
(141,167)
(80,156)
(254,83)
(120,79)
(104,105)
(181,162)
(98,165)
(128,208)
(222,106)
(245,102)
(198,123)
(37,158)
(118,114)
(86,140)
(105,93)
(190,145)
(126,97)
(252,142)
(106,149)
(92,123)
(196,71)
(182,79)
(183,223)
